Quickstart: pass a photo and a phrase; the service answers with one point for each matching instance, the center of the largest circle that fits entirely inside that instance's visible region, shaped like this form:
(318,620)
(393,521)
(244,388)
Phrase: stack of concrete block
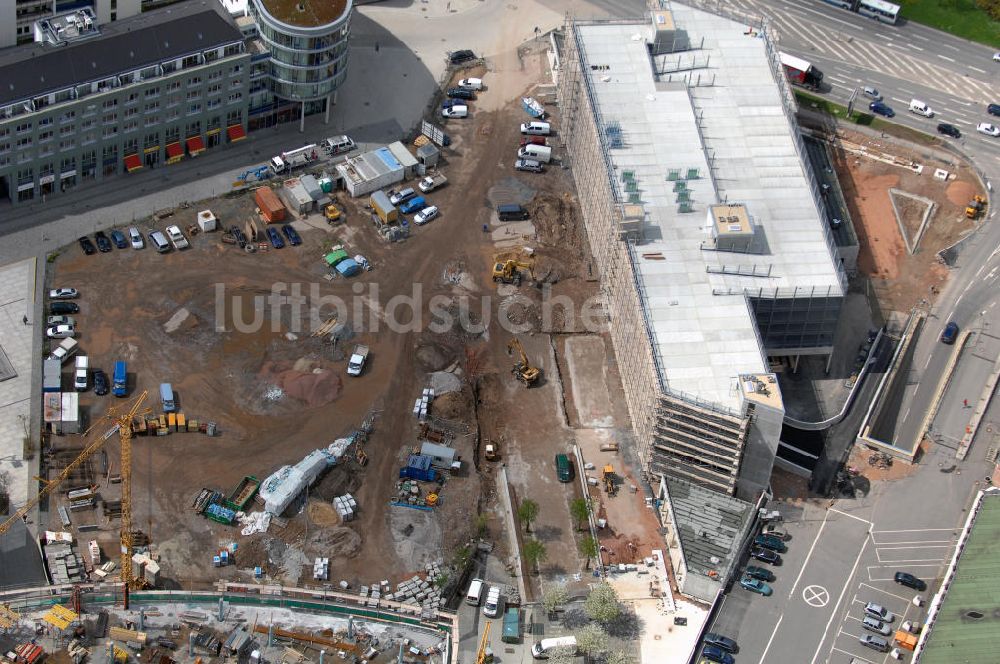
(422,406)
(346,506)
(420,594)
(64,563)
(321,569)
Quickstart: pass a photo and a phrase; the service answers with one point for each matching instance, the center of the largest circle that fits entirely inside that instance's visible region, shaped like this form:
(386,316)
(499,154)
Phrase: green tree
(554,597)
(527,512)
(579,509)
(589,548)
(602,603)
(620,657)
(534,552)
(592,640)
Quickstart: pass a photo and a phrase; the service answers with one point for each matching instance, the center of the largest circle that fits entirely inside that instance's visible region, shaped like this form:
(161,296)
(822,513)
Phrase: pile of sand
(960,192)
(313,389)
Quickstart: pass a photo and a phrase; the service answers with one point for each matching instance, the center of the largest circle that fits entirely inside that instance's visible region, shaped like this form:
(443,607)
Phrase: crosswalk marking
(902,60)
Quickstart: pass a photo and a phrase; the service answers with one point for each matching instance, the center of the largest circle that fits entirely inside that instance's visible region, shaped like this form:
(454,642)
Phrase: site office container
(270,206)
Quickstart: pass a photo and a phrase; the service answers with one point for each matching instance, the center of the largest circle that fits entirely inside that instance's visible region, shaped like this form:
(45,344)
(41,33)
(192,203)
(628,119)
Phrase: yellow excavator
(508,271)
(609,480)
(976,207)
(522,370)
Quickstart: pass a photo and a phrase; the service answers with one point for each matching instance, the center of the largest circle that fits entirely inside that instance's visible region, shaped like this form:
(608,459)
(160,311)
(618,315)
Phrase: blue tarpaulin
(348,267)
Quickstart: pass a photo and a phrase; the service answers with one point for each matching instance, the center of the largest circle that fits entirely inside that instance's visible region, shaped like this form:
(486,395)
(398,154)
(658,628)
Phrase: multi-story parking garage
(707,228)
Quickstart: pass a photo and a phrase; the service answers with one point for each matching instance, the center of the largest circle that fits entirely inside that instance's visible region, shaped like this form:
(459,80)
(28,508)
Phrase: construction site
(349,421)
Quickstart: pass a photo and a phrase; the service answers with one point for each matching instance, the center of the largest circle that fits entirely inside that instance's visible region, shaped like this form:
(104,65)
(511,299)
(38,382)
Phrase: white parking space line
(981,71)
(856,658)
(900,561)
(945,57)
(885,592)
(849,515)
(912,530)
(887,545)
(763,656)
(836,607)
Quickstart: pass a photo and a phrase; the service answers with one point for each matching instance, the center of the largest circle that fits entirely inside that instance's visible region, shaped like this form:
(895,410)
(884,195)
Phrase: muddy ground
(901,279)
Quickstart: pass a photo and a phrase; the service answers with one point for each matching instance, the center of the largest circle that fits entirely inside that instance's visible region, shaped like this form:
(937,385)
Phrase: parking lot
(841,557)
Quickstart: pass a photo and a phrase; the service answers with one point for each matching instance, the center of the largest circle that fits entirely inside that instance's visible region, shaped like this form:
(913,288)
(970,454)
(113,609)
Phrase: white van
(536,129)
(920,108)
(542,648)
(80,377)
(491,608)
(338,144)
(475,592)
(540,153)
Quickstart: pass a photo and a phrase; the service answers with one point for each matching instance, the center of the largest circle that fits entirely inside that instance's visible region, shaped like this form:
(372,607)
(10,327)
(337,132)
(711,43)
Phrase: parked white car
(136,238)
(455,112)
(60,332)
(988,129)
(177,238)
(471,83)
(63,294)
(425,215)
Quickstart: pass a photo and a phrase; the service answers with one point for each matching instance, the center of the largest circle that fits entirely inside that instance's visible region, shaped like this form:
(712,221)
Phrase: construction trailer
(271,208)
(418,467)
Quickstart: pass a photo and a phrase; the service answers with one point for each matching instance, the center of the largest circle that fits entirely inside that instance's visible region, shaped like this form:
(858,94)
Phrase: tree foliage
(534,552)
(620,657)
(602,603)
(589,548)
(554,597)
(527,512)
(592,640)
(579,509)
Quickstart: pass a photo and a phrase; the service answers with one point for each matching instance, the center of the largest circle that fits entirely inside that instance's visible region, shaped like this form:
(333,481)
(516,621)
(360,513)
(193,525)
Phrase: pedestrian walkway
(17,301)
(888,58)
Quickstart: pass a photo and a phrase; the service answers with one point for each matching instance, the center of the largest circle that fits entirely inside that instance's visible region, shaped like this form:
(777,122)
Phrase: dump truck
(270,206)
(432,182)
(65,350)
(286,162)
(357,362)
(383,209)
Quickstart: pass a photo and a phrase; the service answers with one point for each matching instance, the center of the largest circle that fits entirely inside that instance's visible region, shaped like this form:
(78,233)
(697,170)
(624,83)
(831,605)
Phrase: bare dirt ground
(277,393)
(901,280)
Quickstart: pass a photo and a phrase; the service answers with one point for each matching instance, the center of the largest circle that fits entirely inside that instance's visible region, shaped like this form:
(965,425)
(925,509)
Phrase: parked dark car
(87,245)
(950,333)
(719,655)
(275,237)
(62,307)
(770,542)
(241,239)
(765,555)
(293,236)
(103,243)
(761,573)
(910,581)
(949,130)
(119,239)
(533,140)
(720,641)
(461,93)
(458,57)
(879,108)
(993,109)
(874,642)
(448,103)
(100,383)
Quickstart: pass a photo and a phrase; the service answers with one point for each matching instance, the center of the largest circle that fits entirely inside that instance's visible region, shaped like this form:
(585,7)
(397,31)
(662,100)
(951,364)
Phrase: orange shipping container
(270,206)
(906,640)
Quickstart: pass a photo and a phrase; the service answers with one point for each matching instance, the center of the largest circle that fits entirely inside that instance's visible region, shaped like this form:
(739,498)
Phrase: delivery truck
(432,182)
(357,362)
(286,162)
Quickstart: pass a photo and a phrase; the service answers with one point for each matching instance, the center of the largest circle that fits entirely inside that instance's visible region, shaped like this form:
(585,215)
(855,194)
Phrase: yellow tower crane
(485,655)
(123,426)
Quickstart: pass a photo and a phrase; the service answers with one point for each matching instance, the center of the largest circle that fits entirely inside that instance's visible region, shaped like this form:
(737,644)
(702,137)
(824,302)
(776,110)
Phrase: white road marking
(850,654)
(954,48)
(763,656)
(920,37)
(802,570)
(832,509)
(915,47)
(913,530)
(901,101)
(886,592)
(885,545)
(836,607)
(945,57)
(981,71)
(928,362)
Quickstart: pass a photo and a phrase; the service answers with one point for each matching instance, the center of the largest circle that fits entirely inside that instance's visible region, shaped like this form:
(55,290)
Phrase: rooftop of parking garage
(710,128)
(306,13)
(965,627)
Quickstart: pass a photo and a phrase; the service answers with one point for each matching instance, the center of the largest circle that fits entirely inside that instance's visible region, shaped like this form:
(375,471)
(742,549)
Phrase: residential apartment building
(98,100)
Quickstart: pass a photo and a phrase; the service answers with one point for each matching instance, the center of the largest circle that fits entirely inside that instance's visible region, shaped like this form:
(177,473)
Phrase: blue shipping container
(119,385)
